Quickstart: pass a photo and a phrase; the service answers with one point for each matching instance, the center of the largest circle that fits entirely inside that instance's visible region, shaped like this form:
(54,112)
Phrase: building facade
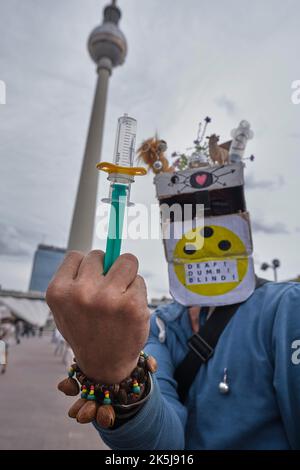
(45,263)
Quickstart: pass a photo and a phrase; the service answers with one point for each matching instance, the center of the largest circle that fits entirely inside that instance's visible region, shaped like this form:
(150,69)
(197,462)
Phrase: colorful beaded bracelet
(97,401)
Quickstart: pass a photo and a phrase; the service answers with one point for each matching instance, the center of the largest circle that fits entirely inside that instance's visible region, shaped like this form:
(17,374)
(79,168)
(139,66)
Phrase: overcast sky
(187,59)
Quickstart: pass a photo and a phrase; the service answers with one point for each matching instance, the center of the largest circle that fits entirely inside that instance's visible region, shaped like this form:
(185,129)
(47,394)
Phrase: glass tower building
(45,263)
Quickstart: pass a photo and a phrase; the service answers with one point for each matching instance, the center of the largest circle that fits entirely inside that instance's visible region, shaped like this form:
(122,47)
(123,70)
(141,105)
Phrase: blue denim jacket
(260,347)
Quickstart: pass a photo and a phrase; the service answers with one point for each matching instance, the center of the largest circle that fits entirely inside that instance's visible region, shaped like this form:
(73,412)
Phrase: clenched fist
(105,319)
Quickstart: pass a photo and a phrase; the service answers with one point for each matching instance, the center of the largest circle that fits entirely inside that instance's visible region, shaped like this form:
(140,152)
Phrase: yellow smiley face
(208,244)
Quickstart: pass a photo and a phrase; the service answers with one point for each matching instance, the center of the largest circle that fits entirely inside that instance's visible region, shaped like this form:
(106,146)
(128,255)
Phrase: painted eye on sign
(192,180)
(199,179)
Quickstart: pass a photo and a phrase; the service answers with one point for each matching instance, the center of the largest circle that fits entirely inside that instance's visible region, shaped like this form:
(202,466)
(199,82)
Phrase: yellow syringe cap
(123,170)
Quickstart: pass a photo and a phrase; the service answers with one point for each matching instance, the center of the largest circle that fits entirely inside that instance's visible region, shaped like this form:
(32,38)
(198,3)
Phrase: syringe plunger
(122,171)
(125,141)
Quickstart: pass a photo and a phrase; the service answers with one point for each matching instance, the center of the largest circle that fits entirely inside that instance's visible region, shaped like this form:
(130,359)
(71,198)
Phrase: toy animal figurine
(152,152)
(218,153)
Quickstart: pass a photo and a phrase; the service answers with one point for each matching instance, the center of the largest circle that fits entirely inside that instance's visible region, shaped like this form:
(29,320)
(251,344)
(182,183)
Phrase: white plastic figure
(241,135)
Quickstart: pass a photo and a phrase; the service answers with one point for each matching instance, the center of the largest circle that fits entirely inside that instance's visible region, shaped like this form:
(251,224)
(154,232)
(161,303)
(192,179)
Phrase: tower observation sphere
(107,40)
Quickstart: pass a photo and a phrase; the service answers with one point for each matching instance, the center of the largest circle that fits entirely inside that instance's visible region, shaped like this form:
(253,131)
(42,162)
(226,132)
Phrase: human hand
(105,319)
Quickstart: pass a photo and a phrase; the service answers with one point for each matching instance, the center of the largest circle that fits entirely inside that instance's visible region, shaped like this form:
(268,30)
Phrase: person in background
(7,332)
(18,330)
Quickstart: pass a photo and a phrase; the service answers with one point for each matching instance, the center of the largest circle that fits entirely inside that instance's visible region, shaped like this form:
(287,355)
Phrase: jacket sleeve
(160,424)
(286,350)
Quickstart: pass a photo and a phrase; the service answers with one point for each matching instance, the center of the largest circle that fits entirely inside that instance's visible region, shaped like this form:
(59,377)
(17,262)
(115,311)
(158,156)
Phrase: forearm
(160,423)
(156,426)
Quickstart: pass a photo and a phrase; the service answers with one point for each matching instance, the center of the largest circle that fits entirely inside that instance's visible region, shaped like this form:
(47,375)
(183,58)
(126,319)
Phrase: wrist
(98,401)
(115,374)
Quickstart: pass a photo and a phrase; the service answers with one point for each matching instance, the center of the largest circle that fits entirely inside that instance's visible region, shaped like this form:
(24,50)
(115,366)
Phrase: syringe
(121,173)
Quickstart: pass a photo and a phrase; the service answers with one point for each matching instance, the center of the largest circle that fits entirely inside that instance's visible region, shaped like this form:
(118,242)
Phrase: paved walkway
(33,413)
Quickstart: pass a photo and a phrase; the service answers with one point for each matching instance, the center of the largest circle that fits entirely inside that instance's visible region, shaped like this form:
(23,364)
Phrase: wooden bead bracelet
(97,401)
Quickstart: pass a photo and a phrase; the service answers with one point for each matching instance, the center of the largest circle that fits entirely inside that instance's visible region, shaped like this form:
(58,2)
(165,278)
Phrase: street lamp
(274,265)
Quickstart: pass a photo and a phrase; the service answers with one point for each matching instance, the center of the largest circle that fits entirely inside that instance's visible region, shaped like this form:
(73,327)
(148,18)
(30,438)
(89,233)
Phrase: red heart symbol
(201,179)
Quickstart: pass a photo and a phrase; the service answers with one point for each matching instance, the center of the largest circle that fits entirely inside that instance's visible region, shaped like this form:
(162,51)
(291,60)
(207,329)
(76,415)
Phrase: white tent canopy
(34,311)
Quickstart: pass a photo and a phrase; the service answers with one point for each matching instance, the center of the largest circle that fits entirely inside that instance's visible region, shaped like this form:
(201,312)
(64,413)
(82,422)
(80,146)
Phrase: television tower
(108,48)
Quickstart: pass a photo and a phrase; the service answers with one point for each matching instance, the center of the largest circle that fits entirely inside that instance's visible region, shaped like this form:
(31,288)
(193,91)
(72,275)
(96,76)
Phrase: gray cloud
(252,183)
(147,274)
(12,241)
(294,135)
(270,229)
(227,104)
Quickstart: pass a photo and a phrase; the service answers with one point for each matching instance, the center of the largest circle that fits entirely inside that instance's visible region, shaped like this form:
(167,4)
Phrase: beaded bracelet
(97,401)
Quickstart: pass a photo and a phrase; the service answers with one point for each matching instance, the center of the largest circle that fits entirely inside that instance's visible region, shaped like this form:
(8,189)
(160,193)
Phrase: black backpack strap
(260,282)
(202,346)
